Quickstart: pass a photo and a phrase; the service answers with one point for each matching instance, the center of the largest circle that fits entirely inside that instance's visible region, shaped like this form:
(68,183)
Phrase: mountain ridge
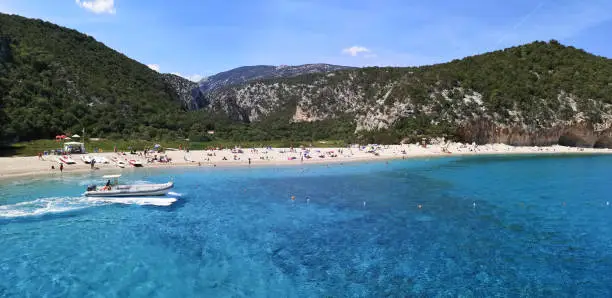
(536,94)
(54,80)
(244,74)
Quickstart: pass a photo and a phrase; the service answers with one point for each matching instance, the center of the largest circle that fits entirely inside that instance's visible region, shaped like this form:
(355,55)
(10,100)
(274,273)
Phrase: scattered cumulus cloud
(194,78)
(356,50)
(98,6)
(154,67)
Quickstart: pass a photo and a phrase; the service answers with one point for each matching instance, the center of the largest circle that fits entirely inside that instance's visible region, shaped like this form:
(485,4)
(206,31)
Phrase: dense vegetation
(54,80)
(534,88)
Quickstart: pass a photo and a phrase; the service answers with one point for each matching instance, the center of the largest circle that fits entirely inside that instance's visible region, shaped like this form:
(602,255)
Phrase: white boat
(66,159)
(120,163)
(127,190)
(100,159)
(86,159)
(135,163)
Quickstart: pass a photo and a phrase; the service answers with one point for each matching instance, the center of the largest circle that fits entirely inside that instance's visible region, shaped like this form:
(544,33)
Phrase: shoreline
(31,167)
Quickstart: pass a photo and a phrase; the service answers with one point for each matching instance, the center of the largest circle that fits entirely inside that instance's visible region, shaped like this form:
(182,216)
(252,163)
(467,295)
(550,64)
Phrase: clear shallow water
(509,226)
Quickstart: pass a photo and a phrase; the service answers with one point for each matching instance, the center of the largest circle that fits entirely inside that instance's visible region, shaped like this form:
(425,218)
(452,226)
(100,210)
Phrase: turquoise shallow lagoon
(486,226)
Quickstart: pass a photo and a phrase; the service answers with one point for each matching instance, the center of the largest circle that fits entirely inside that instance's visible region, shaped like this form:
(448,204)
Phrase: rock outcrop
(183,88)
(241,75)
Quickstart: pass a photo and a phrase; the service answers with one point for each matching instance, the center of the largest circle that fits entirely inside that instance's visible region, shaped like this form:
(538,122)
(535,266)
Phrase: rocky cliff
(245,74)
(184,89)
(537,94)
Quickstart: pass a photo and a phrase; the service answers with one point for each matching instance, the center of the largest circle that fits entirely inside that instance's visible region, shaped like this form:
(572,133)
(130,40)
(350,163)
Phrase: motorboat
(86,159)
(114,189)
(135,163)
(66,159)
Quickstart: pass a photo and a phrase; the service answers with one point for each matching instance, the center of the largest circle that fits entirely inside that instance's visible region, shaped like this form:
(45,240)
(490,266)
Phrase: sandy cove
(33,166)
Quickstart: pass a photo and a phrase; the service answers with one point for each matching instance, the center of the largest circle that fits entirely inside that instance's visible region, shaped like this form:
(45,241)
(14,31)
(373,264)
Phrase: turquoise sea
(473,227)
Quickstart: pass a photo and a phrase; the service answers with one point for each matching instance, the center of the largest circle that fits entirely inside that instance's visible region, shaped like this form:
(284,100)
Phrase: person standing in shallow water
(61,168)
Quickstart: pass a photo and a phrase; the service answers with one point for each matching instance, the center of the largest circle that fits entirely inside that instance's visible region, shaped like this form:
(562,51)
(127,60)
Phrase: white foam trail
(45,206)
(175,194)
(54,205)
(139,201)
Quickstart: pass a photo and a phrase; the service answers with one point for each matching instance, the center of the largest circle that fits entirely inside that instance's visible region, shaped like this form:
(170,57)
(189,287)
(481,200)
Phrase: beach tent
(76,136)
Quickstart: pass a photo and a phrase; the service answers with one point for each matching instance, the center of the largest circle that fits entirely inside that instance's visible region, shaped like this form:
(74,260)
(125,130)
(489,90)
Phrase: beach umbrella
(76,136)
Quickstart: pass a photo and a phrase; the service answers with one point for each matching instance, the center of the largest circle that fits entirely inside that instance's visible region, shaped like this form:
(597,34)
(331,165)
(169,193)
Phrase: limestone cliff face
(183,88)
(201,95)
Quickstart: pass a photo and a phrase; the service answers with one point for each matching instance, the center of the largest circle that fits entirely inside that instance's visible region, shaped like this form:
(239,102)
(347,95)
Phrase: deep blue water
(486,226)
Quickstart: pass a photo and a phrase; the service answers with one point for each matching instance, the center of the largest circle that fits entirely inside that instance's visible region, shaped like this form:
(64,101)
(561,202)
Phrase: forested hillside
(52,79)
(531,94)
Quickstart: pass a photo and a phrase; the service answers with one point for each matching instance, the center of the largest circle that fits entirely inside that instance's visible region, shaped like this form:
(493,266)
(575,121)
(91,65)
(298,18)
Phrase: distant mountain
(246,74)
(537,94)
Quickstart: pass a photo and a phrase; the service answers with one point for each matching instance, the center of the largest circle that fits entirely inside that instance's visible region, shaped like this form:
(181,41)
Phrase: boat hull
(67,160)
(133,190)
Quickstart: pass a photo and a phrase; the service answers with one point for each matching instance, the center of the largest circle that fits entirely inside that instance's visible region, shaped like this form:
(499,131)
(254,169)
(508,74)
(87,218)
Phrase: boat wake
(55,205)
(155,201)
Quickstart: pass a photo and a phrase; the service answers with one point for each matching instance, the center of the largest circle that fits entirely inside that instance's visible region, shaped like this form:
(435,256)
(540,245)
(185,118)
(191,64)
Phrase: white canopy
(73,143)
(76,136)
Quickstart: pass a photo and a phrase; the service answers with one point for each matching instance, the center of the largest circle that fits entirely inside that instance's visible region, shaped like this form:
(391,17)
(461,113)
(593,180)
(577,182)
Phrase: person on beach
(61,168)
(93,163)
(249,161)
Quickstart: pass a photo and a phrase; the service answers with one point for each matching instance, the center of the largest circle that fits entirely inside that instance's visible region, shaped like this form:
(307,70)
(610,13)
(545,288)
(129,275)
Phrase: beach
(50,165)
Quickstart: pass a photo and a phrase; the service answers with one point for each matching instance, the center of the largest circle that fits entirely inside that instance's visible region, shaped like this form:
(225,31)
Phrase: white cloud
(154,67)
(194,78)
(98,6)
(355,50)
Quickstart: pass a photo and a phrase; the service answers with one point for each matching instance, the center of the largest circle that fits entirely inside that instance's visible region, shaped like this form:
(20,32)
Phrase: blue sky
(199,38)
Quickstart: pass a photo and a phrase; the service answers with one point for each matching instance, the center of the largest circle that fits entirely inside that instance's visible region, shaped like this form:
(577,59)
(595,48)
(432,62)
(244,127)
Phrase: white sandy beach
(30,166)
